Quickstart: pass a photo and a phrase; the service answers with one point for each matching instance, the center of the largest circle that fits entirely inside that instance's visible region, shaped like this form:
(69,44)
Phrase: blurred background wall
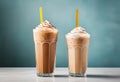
(101,18)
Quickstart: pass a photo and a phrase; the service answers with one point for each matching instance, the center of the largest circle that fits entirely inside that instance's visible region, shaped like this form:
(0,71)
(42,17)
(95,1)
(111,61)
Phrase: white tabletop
(60,75)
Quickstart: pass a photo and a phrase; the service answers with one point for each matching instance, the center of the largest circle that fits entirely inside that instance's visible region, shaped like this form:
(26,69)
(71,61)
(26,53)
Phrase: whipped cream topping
(77,32)
(46,25)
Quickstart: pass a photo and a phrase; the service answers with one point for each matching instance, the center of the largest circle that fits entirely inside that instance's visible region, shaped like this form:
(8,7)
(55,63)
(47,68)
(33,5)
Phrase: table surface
(23,74)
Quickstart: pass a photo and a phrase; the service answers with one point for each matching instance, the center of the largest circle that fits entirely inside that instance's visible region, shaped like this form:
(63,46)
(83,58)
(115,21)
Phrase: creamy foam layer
(46,26)
(78,32)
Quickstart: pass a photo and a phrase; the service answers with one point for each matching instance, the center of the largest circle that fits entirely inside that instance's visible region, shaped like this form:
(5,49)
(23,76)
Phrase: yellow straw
(41,16)
(77,17)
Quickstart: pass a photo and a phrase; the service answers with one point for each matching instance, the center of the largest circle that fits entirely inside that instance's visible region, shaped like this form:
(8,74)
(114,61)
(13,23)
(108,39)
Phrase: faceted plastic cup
(77,55)
(45,48)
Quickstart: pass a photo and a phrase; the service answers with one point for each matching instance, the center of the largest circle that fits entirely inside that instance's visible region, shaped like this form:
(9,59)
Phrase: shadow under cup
(45,48)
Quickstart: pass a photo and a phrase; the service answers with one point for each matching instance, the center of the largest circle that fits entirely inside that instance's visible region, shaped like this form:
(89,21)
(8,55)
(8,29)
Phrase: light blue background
(101,18)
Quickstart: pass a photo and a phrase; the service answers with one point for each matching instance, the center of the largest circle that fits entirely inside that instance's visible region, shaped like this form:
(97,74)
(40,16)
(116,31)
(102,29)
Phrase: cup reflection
(45,79)
(77,79)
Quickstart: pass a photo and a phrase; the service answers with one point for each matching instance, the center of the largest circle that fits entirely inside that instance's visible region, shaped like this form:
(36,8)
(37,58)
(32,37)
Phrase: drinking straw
(41,15)
(77,18)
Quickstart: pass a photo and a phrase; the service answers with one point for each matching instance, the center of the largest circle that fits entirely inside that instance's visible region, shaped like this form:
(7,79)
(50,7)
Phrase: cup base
(45,75)
(77,75)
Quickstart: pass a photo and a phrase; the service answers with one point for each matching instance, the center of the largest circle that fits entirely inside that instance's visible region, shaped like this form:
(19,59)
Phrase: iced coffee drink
(45,38)
(77,42)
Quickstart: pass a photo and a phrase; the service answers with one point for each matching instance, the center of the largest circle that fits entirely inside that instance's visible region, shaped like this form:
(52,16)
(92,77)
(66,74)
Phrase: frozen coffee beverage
(77,42)
(45,38)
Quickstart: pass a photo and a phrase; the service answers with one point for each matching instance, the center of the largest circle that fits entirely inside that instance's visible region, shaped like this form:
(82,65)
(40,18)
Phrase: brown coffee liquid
(77,59)
(45,48)
(77,54)
(45,56)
